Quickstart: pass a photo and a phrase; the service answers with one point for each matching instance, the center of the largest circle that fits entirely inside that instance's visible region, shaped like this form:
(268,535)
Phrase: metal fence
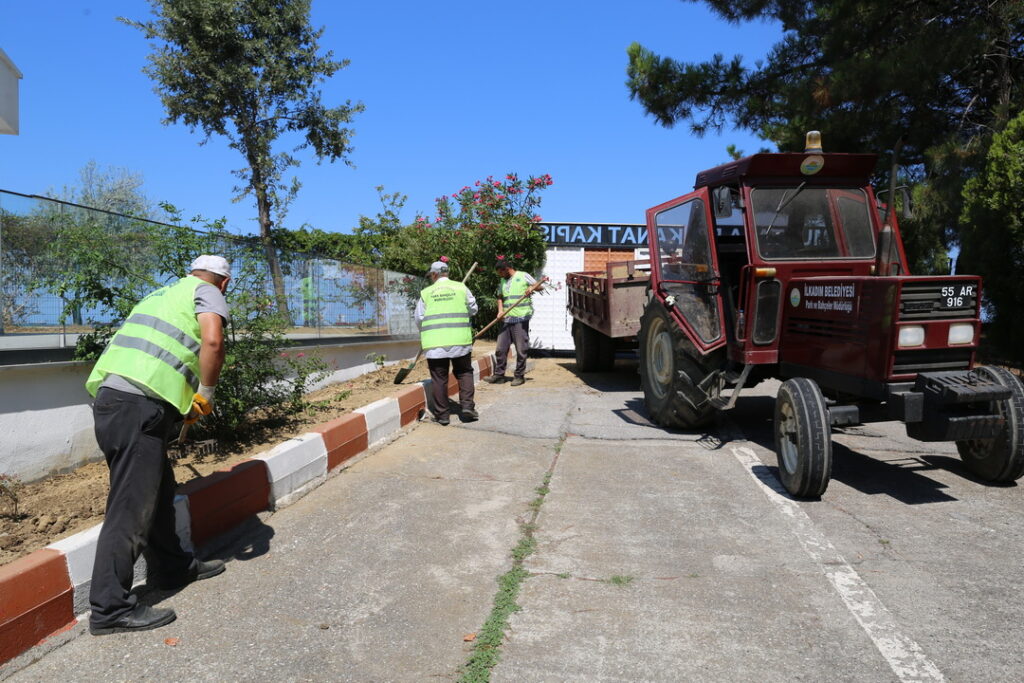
(53,253)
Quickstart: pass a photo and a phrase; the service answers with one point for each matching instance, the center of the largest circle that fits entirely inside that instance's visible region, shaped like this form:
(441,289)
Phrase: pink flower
(284,355)
(519,256)
(501,257)
(477,183)
(537,219)
(300,355)
(444,259)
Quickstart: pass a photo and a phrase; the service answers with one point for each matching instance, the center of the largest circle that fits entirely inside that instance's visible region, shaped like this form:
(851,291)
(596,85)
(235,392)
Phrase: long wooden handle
(533,288)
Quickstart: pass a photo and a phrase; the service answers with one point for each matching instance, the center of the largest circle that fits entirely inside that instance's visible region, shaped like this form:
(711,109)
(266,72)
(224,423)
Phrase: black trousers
(462,368)
(513,333)
(132,431)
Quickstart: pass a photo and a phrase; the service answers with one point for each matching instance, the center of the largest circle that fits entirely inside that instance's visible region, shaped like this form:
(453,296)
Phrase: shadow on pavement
(903,479)
(248,540)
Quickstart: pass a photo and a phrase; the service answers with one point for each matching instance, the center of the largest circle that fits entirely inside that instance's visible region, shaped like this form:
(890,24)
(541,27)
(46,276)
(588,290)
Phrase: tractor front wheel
(803,438)
(999,459)
(669,374)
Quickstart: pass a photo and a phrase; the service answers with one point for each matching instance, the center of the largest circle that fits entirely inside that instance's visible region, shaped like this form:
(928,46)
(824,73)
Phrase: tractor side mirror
(723,202)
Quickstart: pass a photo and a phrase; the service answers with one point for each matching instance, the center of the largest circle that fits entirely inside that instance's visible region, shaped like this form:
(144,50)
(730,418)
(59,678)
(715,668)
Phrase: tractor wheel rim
(787,434)
(661,359)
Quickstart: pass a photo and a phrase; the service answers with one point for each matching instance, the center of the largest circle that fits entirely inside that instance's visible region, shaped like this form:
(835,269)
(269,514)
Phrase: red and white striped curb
(41,594)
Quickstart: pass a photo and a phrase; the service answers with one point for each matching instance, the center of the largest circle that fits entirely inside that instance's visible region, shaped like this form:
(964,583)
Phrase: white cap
(214,264)
(438,267)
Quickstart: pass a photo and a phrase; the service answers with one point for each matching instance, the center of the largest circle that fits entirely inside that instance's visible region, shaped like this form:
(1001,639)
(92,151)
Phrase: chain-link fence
(60,261)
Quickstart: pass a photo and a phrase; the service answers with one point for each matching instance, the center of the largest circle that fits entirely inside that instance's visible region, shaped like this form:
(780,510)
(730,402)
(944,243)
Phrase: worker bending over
(161,365)
(443,313)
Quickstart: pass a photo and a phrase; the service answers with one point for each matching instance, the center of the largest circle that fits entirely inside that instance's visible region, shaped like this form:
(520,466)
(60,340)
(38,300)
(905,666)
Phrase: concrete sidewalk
(659,556)
(375,576)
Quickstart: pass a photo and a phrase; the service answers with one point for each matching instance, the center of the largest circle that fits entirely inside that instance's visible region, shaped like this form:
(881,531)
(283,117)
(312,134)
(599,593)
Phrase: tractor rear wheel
(803,438)
(669,373)
(1001,458)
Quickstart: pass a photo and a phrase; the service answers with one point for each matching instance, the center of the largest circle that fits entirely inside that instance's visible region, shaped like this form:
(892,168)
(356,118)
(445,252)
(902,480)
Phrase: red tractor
(789,266)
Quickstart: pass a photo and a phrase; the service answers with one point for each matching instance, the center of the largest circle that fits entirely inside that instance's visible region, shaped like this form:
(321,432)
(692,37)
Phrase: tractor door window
(853,213)
(684,258)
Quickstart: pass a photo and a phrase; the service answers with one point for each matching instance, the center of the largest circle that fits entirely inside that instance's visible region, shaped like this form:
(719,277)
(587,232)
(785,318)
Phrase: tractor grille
(836,330)
(930,360)
(936,300)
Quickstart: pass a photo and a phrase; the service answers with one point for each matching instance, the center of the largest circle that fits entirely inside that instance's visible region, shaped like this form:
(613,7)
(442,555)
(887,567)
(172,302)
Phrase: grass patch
(620,580)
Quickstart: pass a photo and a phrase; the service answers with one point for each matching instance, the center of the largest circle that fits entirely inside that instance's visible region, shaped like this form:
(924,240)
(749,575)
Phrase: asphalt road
(659,556)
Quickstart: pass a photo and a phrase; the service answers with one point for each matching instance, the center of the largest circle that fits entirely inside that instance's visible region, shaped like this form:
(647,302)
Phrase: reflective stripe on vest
(158,346)
(445,316)
(512,290)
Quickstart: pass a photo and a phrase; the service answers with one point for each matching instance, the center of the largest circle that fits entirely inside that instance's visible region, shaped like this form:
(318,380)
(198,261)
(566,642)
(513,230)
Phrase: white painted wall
(46,423)
(551,326)
(9,77)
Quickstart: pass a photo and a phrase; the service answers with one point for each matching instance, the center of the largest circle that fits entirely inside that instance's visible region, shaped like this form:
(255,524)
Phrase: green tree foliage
(994,235)
(364,246)
(250,72)
(940,74)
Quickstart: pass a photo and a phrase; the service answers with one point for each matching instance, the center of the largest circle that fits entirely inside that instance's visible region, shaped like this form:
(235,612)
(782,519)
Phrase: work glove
(202,404)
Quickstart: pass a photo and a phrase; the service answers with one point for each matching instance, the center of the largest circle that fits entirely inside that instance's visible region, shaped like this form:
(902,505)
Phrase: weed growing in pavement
(563,575)
(487,648)
(621,580)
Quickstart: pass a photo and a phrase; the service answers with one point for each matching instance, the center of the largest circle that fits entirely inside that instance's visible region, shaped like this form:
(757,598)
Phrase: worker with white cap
(162,364)
(443,313)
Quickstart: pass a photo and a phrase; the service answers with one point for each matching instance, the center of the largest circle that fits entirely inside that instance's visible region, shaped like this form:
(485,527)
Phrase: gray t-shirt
(208,300)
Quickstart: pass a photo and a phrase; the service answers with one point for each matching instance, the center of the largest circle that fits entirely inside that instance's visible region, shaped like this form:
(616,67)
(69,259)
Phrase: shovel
(404,372)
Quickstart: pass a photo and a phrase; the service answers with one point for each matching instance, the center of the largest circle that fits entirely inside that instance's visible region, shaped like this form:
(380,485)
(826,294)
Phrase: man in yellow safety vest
(162,364)
(446,336)
(515,309)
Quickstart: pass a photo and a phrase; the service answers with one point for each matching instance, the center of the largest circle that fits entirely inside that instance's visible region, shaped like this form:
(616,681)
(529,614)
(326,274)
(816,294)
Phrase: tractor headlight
(961,333)
(911,335)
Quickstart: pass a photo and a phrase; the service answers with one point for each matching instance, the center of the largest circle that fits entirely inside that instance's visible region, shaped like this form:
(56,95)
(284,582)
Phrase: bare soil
(65,504)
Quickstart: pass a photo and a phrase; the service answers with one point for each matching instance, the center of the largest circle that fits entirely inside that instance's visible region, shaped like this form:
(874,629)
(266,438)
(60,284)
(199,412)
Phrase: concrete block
(293,464)
(222,500)
(383,418)
(412,401)
(35,601)
(79,552)
(344,438)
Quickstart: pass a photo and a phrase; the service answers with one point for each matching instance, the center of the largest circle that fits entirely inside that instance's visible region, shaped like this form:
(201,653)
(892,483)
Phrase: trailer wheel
(669,374)
(587,342)
(803,438)
(1000,459)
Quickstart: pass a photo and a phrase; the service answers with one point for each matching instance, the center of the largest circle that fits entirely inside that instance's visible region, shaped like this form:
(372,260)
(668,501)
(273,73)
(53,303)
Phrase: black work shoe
(443,421)
(142,618)
(517,381)
(469,415)
(197,572)
(495,379)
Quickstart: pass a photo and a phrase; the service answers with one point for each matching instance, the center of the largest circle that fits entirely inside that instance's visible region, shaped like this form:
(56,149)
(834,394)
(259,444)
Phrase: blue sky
(454,91)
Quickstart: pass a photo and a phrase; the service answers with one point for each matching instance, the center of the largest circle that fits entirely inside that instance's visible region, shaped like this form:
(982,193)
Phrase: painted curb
(222,500)
(344,438)
(412,402)
(36,601)
(294,464)
(382,419)
(41,593)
